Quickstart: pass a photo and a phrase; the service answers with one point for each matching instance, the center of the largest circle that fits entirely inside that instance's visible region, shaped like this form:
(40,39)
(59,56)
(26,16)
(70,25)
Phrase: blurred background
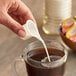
(11,46)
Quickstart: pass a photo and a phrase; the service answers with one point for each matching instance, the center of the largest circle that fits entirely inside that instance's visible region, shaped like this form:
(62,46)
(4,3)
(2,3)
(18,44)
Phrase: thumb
(9,22)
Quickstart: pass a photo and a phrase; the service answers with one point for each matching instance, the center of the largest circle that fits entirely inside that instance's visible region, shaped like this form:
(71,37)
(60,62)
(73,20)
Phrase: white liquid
(46,50)
(52,59)
(32,30)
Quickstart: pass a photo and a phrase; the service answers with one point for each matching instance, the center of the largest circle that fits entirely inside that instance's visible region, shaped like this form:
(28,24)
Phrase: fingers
(22,14)
(12,24)
(25,12)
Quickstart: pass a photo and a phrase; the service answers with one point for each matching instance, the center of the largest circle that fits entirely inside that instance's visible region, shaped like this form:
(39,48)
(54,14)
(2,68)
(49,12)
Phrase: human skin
(13,14)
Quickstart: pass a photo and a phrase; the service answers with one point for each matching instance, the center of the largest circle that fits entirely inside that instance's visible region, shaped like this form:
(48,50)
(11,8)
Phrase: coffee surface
(37,63)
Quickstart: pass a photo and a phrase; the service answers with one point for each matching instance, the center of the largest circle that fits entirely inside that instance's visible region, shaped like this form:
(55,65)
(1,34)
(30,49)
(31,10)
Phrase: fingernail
(21,33)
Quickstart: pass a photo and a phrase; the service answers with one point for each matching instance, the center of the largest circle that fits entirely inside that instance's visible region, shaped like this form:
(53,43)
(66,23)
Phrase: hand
(13,14)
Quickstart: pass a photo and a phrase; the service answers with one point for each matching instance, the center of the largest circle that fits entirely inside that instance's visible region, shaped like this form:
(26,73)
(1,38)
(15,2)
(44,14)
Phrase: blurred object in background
(36,6)
(56,11)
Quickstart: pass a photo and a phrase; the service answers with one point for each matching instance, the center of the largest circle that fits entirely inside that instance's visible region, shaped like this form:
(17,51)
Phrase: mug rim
(52,64)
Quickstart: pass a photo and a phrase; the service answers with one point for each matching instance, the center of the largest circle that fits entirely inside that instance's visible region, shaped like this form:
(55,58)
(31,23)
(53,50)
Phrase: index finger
(25,12)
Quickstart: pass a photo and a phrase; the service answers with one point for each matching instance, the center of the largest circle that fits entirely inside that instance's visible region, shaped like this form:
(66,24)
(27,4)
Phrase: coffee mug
(37,64)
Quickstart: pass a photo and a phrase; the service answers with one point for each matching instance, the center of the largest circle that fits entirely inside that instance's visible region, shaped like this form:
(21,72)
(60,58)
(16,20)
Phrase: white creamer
(32,31)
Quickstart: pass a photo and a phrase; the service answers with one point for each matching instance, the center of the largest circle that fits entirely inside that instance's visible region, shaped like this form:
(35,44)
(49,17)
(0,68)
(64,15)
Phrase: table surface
(11,47)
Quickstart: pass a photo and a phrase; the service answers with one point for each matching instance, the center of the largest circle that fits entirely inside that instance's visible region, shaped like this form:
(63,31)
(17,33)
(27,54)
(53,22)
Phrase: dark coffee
(36,65)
